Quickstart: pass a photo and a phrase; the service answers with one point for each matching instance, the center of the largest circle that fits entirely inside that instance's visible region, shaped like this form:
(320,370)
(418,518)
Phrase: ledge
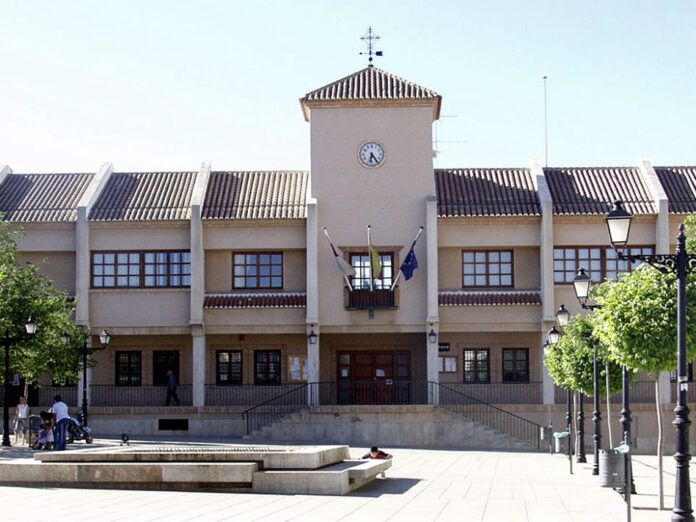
(489,298)
(259,300)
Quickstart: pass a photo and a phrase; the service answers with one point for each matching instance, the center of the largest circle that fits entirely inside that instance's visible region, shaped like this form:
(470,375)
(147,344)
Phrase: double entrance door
(373,377)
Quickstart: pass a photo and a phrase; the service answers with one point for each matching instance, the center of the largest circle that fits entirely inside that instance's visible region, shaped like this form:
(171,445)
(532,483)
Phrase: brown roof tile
(265,300)
(680,186)
(145,196)
(593,190)
(486,192)
(42,198)
(492,298)
(256,195)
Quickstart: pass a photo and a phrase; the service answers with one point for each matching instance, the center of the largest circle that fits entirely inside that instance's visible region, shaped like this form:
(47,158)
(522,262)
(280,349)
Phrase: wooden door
(373,377)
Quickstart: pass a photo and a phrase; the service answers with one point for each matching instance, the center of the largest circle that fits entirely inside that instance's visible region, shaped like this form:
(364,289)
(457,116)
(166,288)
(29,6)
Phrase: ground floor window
(228,369)
(447,364)
(162,362)
(515,365)
(128,368)
(297,368)
(267,367)
(477,365)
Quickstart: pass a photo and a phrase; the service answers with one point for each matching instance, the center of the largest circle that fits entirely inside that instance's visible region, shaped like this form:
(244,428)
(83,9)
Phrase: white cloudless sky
(165,84)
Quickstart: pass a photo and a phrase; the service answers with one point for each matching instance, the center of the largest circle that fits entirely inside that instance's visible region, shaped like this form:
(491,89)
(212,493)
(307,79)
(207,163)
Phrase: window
(167,269)
(486,269)
(615,266)
(229,368)
(476,365)
(567,261)
(297,368)
(162,362)
(447,364)
(361,264)
(128,368)
(141,269)
(267,367)
(515,365)
(258,270)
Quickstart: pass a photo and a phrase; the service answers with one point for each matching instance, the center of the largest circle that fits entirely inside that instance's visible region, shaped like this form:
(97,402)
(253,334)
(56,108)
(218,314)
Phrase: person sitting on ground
(376,453)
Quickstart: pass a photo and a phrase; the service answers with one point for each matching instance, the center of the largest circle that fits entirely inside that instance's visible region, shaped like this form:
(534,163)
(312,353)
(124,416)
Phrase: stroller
(76,431)
(40,426)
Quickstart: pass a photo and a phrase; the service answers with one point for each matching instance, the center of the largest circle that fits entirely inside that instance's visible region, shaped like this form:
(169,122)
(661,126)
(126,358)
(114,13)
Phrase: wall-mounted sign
(443,347)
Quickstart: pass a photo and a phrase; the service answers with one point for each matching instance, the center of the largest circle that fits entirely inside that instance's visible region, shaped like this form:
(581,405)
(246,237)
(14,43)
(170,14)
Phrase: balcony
(366,299)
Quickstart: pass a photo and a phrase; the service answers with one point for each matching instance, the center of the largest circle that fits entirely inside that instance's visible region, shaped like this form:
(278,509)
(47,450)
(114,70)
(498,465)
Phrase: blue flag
(409,265)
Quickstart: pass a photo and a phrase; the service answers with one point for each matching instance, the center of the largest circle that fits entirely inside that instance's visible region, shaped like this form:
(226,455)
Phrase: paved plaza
(422,485)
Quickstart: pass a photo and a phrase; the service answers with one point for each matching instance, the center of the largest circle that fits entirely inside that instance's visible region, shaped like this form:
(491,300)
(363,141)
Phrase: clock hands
(373,159)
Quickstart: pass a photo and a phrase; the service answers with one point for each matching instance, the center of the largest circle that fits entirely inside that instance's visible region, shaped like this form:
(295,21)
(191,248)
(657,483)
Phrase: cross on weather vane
(369,39)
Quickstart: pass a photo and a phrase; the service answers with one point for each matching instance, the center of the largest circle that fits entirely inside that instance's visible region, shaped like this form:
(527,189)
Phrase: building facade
(227,278)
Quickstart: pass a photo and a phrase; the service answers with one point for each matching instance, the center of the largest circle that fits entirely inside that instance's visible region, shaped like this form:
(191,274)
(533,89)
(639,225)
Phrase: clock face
(371,154)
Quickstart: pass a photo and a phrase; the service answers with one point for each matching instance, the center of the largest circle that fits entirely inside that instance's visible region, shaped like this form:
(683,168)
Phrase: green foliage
(571,361)
(25,293)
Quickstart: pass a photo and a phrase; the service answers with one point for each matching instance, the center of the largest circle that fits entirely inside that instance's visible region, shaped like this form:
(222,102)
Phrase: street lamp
(86,351)
(30,328)
(554,335)
(681,263)
(563,316)
(552,339)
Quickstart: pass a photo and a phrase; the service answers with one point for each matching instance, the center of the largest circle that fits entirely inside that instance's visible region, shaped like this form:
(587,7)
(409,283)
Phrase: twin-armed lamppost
(86,351)
(8,342)
(681,263)
(552,339)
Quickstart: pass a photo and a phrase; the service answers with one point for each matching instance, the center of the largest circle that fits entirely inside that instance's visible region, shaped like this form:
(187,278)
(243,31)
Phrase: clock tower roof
(371,86)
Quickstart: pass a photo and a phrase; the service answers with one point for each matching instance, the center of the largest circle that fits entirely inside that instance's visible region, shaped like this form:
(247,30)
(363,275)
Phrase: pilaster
(197,247)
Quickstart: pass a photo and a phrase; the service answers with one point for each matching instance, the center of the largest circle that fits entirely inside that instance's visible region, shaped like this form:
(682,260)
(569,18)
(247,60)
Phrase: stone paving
(422,485)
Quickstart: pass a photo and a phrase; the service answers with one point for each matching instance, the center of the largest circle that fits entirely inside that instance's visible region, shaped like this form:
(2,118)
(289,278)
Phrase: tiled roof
(145,196)
(492,298)
(42,198)
(265,300)
(256,195)
(680,186)
(593,190)
(371,83)
(485,192)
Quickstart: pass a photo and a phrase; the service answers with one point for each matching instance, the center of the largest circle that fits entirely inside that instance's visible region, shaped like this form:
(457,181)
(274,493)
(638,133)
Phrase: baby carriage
(76,431)
(40,426)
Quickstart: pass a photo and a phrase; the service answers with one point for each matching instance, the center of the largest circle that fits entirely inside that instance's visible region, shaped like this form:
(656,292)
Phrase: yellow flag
(376,263)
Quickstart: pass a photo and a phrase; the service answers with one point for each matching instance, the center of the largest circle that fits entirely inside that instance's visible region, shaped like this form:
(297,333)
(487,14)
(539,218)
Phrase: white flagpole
(369,255)
(326,233)
(396,279)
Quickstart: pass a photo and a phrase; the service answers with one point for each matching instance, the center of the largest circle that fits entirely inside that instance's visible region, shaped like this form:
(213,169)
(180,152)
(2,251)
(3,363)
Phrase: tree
(637,321)
(25,293)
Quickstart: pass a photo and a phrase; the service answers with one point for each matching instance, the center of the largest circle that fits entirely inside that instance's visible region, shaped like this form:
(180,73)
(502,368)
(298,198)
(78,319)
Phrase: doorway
(373,377)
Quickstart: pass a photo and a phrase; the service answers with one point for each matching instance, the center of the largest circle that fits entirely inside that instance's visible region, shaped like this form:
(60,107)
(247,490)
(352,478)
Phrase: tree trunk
(611,440)
(660,444)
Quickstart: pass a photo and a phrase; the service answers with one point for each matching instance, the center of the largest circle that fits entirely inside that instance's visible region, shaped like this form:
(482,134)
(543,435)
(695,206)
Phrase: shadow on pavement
(388,486)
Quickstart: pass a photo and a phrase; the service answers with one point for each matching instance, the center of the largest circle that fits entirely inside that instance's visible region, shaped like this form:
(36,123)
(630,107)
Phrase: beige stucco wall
(140,236)
(133,308)
(490,318)
(57,266)
(391,198)
(492,232)
(46,237)
(218,270)
(254,234)
(255,320)
(592,230)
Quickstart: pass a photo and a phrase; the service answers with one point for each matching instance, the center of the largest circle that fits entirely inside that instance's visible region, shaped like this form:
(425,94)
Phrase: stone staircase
(388,426)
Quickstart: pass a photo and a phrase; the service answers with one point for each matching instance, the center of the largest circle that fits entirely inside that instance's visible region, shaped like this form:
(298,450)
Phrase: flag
(375,262)
(343,265)
(409,265)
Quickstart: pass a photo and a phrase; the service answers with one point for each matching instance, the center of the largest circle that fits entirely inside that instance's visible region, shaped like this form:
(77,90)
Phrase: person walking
(61,417)
(21,420)
(171,389)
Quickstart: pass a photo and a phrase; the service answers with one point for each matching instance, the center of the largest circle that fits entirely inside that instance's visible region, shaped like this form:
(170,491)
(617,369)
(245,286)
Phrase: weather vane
(370,38)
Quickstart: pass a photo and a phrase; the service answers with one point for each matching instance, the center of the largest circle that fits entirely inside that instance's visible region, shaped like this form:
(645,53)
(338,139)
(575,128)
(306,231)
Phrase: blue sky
(159,85)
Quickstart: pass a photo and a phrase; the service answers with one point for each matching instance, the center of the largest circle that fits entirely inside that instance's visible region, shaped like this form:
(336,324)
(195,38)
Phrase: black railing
(389,391)
(67,393)
(366,299)
(110,395)
(502,392)
(274,409)
(245,395)
(487,414)
(640,392)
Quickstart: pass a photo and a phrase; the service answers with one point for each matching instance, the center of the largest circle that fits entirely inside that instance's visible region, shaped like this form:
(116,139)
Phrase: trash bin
(611,469)
(561,442)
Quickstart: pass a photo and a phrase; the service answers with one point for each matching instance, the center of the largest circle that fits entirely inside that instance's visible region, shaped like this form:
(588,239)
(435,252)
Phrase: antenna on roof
(370,38)
(546,127)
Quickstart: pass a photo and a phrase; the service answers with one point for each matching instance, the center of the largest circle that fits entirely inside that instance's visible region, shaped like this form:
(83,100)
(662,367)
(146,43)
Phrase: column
(432,355)
(312,320)
(198,377)
(313,347)
(433,311)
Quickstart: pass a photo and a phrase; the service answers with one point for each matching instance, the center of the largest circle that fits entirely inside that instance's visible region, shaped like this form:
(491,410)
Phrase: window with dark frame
(361,263)
(477,365)
(147,269)
(485,269)
(515,365)
(600,263)
(256,270)
(162,362)
(267,367)
(229,369)
(615,266)
(129,368)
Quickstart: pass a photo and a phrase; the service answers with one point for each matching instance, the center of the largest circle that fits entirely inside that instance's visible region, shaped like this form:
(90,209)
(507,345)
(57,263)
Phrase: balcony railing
(501,392)
(110,395)
(246,395)
(366,299)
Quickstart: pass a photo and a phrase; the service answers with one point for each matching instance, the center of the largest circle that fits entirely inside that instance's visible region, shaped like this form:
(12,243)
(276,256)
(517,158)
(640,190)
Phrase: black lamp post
(582,284)
(552,338)
(86,351)
(681,264)
(30,327)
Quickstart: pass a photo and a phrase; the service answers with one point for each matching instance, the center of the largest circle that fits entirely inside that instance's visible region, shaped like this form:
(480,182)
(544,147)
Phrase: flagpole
(328,238)
(369,254)
(396,279)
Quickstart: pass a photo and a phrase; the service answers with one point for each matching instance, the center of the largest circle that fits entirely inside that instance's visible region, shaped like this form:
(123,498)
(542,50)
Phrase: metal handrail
(255,418)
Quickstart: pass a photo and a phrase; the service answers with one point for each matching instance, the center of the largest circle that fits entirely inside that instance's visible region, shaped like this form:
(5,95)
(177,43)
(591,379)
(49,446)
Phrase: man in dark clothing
(376,453)
(171,389)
